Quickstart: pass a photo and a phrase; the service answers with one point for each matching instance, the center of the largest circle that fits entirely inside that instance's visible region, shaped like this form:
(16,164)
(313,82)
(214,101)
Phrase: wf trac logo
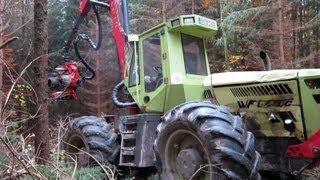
(265,104)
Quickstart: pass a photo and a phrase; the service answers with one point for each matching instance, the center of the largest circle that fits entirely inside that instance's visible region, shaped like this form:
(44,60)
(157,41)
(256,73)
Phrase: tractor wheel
(90,140)
(205,141)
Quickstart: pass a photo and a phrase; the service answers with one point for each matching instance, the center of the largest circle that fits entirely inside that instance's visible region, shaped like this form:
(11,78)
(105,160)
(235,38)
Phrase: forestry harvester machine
(182,121)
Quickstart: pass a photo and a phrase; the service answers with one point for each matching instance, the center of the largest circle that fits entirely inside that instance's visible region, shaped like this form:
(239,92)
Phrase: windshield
(133,68)
(194,57)
(152,63)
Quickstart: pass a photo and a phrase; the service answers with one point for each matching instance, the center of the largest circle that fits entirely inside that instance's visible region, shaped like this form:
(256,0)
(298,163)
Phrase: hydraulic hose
(85,37)
(115,99)
(92,44)
(84,62)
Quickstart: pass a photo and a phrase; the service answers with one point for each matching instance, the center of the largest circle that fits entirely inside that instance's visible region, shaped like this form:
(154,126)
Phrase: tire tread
(218,124)
(99,136)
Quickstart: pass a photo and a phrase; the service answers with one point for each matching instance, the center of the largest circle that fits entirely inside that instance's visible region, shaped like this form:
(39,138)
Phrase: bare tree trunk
(40,45)
(23,58)
(219,11)
(317,39)
(1,52)
(294,52)
(300,34)
(281,32)
(192,6)
(95,94)
(164,10)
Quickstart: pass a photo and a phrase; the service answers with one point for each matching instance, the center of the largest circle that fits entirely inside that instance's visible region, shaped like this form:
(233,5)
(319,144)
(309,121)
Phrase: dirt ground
(312,174)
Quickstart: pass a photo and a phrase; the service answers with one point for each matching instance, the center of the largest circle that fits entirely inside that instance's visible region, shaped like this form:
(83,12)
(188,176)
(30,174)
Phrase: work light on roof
(175,22)
(207,22)
(188,20)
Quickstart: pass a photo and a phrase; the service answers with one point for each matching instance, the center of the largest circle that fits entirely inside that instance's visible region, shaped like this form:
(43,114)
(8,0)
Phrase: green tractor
(187,123)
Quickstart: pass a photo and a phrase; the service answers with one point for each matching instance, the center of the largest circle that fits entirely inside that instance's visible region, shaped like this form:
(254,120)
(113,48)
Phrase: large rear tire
(90,140)
(205,141)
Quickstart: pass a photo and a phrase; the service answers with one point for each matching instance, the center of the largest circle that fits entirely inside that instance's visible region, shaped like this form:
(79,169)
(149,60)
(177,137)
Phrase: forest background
(288,30)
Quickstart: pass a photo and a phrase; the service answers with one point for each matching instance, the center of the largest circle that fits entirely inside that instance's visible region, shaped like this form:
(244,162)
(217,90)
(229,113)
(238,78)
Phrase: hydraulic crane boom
(119,15)
(68,77)
(119,33)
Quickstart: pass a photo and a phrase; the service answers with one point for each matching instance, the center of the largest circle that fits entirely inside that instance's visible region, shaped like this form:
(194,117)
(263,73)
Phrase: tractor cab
(169,63)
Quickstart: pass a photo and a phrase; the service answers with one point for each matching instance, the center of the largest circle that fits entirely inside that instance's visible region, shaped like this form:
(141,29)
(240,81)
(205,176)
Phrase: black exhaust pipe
(266,61)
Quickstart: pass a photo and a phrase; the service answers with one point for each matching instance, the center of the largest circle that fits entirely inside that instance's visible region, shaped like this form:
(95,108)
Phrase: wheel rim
(186,157)
(77,150)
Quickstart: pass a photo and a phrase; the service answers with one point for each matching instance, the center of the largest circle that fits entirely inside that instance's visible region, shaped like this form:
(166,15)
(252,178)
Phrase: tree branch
(8,41)
(15,155)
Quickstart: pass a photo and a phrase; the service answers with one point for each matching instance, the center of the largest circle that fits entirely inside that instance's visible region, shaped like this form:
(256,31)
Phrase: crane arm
(66,73)
(119,34)
(119,24)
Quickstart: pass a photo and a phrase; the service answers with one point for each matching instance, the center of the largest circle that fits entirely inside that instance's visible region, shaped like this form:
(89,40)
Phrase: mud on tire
(205,141)
(90,135)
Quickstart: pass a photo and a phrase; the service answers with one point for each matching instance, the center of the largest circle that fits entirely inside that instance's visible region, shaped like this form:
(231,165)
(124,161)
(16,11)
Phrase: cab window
(194,55)
(134,70)
(153,76)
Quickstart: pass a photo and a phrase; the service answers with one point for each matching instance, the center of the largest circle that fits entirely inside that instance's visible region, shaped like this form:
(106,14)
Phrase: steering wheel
(159,79)
(158,70)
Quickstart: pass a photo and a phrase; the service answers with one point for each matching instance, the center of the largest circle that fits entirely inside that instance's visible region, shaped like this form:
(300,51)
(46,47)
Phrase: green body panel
(178,86)
(274,92)
(189,90)
(261,105)
(311,109)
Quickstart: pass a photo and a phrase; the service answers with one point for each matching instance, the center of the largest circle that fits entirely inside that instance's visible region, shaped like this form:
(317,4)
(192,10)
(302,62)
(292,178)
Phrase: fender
(310,149)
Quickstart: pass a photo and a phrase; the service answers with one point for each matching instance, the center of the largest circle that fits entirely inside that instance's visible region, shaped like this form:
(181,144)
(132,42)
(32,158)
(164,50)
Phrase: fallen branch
(4,27)
(217,166)
(17,29)
(15,155)
(8,41)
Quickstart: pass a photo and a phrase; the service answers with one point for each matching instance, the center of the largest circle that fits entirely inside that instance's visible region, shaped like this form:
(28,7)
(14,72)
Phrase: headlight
(175,22)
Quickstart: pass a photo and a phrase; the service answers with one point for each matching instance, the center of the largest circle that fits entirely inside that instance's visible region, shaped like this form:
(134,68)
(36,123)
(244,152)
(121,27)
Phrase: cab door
(152,71)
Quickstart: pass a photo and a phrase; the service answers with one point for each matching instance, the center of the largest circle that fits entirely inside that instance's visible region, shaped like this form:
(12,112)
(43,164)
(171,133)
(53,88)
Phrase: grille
(317,98)
(263,90)
(207,94)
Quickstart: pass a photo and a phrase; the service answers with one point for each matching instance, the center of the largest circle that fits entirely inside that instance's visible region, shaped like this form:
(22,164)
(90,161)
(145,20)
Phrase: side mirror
(266,61)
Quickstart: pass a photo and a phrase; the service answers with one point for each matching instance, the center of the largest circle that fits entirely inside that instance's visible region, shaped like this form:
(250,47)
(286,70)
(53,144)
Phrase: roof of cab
(250,77)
